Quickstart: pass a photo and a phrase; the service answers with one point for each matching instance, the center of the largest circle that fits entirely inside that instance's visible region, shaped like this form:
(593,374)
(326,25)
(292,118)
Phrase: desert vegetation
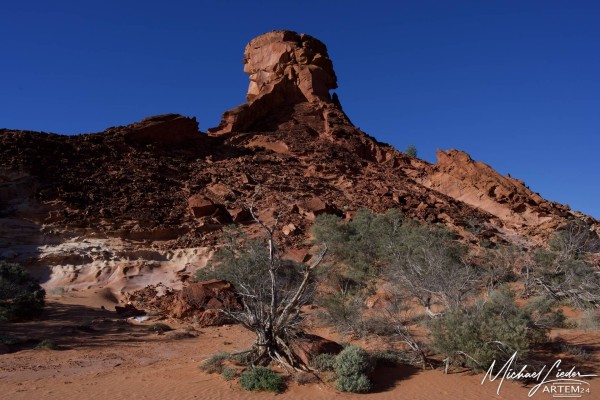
(442,303)
(465,299)
(411,151)
(21,296)
(271,291)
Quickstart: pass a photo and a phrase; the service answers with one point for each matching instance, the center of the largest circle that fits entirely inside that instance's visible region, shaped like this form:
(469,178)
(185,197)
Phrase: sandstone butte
(145,204)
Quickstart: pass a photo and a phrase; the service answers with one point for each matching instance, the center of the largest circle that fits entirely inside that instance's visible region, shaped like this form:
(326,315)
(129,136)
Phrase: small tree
(428,263)
(21,297)
(565,270)
(271,291)
(411,151)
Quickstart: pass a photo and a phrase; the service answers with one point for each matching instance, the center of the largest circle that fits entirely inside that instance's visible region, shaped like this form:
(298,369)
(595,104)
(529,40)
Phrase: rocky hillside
(146,203)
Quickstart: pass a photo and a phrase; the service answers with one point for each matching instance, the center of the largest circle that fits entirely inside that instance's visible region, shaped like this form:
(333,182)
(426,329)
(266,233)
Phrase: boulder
(167,130)
(316,206)
(289,229)
(307,346)
(197,298)
(201,206)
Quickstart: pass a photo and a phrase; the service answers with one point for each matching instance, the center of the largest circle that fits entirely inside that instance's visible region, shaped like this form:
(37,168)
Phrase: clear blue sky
(514,83)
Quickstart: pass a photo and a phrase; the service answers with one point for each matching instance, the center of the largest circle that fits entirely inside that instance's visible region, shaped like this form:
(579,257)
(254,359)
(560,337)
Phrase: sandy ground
(105,357)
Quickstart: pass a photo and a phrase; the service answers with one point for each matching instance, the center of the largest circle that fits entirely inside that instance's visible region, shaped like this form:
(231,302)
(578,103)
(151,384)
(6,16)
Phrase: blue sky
(514,83)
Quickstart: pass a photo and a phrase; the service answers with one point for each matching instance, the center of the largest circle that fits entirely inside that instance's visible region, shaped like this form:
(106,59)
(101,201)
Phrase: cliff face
(146,203)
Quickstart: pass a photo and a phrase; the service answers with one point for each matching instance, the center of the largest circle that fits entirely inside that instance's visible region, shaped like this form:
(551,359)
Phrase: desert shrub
(47,344)
(229,374)
(387,358)
(159,327)
(244,358)
(323,362)
(421,259)
(558,276)
(21,297)
(411,151)
(544,313)
(498,265)
(351,368)
(578,351)
(9,341)
(575,240)
(271,291)
(590,320)
(427,262)
(214,364)
(566,269)
(330,377)
(245,263)
(353,383)
(488,331)
(343,310)
(359,244)
(261,379)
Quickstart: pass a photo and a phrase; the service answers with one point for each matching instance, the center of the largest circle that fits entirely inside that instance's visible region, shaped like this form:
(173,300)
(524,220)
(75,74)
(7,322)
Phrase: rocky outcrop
(519,209)
(285,69)
(145,204)
(299,63)
(170,130)
(307,346)
(198,301)
(201,296)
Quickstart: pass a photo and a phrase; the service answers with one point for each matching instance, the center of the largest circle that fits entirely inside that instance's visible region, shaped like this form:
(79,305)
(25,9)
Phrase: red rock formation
(199,301)
(169,130)
(514,204)
(121,205)
(307,346)
(196,298)
(285,69)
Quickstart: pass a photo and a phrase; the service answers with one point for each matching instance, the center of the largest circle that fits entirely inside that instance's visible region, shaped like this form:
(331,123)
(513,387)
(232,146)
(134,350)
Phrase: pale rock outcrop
(517,207)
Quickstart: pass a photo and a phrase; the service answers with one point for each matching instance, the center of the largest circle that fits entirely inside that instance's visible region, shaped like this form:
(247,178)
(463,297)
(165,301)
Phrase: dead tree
(271,291)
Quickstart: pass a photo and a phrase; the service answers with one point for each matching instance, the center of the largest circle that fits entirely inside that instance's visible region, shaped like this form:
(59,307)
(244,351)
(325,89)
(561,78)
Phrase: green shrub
(21,297)
(411,151)
(353,384)
(9,341)
(47,344)
(351,367)
(214,364)
(386,358)
(323,362)
(578,351)
(261,379)
(544,313)
(487,331)
(229,374)
(590,320)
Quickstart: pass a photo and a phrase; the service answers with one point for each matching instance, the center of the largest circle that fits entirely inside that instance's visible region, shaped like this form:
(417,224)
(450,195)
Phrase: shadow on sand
(385,378)
(74,326)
